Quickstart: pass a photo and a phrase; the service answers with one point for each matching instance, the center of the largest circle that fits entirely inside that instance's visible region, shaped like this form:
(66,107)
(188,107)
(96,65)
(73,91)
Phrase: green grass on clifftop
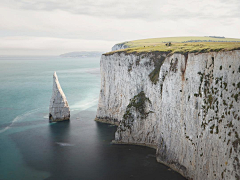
(158,41)
(181,45)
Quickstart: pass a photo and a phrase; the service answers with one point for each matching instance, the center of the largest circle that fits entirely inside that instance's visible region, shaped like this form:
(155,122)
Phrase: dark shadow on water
(81,149)
(59,130)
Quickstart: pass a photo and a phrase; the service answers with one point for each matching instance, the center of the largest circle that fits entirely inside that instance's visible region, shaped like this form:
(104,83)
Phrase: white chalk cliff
(186,106)
(58,109)
(119,46)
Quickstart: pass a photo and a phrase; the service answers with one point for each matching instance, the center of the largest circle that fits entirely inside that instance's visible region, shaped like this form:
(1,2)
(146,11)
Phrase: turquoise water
(31,148)
(23,79)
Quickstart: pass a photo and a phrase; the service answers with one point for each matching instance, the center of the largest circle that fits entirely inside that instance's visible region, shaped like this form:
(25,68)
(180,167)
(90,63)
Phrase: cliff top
(180,45)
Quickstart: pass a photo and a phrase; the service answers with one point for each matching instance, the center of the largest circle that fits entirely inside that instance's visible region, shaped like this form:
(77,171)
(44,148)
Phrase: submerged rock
(58,109)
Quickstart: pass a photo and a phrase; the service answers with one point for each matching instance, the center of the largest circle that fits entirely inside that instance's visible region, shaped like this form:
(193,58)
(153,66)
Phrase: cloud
(138,9)
(21,45)
(98,25)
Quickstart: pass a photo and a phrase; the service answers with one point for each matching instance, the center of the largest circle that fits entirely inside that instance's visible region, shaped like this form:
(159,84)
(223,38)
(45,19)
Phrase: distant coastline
(82,54)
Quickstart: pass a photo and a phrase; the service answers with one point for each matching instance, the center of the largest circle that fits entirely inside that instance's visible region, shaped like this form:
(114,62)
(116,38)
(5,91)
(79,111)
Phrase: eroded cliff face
(186,106)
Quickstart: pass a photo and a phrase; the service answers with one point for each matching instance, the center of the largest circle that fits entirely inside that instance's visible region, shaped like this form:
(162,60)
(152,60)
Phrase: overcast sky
(53,27)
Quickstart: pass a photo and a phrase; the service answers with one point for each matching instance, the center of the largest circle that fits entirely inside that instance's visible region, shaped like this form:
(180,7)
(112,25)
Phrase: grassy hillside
(157,41)
(181,45)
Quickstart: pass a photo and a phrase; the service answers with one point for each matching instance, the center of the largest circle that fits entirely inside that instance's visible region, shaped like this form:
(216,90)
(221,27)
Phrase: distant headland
(82,54)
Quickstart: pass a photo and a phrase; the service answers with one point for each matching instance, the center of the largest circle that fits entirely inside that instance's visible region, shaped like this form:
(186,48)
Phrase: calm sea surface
(81,149)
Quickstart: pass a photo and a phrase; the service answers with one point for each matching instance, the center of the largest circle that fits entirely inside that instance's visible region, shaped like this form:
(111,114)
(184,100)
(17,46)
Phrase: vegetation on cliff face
(137,104)
(180,45)
(154,75)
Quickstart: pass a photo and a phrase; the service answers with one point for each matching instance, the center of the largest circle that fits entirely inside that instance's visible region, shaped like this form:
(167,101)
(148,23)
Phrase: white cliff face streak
(186,106)
(58,109)
(119,46)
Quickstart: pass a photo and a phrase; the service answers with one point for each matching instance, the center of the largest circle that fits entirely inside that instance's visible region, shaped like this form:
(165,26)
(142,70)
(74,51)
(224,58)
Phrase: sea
(31,148)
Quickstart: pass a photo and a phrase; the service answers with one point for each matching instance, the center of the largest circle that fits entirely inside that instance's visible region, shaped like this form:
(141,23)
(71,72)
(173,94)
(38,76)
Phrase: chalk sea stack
(58,109)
